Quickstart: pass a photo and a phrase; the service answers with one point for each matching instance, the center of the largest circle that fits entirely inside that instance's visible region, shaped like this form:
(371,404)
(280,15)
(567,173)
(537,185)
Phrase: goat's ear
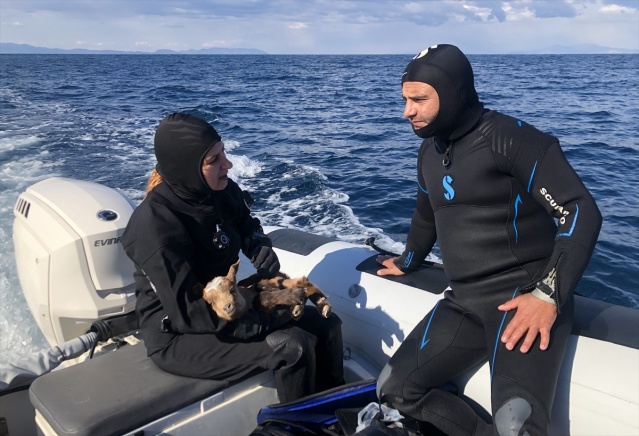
(207,293)
(233,270)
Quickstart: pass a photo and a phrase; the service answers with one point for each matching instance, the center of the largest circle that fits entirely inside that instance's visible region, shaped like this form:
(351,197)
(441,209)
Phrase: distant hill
(579,49)
(11,48)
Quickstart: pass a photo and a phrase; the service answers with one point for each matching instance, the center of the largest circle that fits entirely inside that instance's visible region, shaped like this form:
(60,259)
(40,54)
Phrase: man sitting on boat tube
(516,228)
(189,229)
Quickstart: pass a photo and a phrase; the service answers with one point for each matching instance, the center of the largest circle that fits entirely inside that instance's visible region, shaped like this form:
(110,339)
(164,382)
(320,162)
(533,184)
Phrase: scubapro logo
(423,53)
(450,192)
(559,208)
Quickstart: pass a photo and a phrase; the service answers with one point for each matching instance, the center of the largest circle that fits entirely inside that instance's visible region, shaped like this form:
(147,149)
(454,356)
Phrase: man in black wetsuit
(516,228)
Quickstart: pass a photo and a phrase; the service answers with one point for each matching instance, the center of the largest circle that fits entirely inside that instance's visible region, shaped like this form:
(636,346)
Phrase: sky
(321,26)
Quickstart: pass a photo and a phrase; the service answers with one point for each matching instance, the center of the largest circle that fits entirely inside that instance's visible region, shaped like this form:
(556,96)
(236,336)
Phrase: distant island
(580,49)
(12,48)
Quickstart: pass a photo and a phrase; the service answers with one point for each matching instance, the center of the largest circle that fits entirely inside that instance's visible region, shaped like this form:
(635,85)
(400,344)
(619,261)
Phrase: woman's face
(215,167)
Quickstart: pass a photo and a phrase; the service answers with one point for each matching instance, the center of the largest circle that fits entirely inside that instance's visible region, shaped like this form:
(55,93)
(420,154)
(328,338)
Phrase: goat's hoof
(324,307)
(297,311)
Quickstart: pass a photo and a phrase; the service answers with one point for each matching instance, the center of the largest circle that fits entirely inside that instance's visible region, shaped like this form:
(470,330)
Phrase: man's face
(422,103)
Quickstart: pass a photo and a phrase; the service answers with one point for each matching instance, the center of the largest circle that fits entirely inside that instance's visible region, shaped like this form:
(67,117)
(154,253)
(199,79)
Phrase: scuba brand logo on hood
(423,53)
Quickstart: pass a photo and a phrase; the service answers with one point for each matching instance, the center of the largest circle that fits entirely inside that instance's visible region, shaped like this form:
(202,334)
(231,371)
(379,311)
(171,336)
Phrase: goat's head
(223,295)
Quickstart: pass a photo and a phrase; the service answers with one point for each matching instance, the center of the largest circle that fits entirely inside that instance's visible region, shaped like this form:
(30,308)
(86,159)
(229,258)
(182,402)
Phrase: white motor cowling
(71,264)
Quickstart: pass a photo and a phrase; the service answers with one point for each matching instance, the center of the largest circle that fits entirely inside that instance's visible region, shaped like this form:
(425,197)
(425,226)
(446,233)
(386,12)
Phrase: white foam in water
(322,212)
(11,143)
(243,167)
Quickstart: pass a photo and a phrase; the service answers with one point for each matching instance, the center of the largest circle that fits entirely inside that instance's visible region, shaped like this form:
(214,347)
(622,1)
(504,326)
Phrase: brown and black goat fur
(230,299)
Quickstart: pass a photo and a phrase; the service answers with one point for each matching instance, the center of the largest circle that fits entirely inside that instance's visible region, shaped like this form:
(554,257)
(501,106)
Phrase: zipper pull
(446,160)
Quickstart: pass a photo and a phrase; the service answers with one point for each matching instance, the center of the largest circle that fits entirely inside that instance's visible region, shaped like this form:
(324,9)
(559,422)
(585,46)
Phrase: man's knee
(518,411)
(511,417)
(392,388)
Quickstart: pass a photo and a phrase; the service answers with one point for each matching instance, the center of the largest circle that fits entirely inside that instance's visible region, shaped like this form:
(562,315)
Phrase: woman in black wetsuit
(189,229)
(516,228)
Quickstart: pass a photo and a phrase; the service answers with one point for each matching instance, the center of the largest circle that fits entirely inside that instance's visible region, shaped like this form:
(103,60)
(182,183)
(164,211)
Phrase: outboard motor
(71,264)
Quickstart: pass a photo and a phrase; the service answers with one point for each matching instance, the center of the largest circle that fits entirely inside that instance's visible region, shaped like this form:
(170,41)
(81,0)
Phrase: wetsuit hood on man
(181,142)
(446,68)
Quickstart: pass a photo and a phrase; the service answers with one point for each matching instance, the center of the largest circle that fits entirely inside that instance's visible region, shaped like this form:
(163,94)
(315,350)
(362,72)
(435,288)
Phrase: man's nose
(409,110)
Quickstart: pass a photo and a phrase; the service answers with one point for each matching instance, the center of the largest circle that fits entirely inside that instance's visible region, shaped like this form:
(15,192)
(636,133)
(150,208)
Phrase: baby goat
(231,300)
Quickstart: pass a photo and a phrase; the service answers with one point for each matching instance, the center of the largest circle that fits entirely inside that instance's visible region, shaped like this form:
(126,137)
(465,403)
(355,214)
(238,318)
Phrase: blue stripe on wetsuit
(424,340)
(574,222)
(409,259)
(517,201)
(531,176)
(501,326)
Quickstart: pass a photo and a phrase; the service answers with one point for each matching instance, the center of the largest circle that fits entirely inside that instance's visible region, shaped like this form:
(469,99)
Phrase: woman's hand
(265,261)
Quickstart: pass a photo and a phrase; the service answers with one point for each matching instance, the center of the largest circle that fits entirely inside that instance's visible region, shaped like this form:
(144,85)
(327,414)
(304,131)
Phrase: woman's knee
(293,344)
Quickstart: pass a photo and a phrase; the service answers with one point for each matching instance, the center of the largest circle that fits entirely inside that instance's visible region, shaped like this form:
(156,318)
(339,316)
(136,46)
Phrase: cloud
(552,9)
(499,14)
(616,9)
(222,44)
(321,26)
(624,5)
(297,26)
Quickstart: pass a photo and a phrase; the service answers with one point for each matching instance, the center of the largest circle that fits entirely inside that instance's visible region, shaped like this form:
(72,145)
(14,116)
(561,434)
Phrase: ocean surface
(319,140)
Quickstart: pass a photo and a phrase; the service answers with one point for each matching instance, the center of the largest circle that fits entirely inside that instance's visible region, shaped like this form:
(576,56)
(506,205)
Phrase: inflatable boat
(97,380)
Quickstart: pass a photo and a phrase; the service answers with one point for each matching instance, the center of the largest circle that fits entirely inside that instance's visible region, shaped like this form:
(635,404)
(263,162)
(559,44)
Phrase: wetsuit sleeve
(422,234)
(557,187)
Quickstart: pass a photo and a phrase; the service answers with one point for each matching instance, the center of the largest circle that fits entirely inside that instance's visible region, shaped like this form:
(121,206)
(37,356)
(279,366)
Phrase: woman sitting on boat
(189,229)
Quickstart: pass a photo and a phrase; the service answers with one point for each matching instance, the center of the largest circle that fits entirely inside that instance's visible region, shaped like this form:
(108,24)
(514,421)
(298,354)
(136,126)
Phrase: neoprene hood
(181,142)
(447,69)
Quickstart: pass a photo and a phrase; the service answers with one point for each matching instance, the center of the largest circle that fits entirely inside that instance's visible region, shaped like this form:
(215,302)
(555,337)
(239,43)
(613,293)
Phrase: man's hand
(533,316)
(390,269)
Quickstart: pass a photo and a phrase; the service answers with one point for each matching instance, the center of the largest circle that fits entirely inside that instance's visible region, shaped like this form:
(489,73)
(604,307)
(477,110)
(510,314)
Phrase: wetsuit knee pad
(511,417)
(518,411)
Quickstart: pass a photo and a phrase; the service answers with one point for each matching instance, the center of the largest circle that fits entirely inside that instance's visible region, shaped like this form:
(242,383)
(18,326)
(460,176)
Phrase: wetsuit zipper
(448,156)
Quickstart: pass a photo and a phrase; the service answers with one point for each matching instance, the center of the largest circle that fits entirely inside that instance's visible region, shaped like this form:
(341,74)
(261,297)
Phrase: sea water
(319,141)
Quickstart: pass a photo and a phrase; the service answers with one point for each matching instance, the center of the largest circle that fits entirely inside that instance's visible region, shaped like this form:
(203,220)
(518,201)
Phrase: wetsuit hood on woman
(446,68)
(181,142)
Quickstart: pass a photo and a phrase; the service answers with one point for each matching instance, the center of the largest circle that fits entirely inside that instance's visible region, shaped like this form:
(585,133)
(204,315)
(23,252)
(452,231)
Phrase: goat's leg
(294,298)
(313,293)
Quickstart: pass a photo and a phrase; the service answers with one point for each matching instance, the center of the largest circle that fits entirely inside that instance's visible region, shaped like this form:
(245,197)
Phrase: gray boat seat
(115,393)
